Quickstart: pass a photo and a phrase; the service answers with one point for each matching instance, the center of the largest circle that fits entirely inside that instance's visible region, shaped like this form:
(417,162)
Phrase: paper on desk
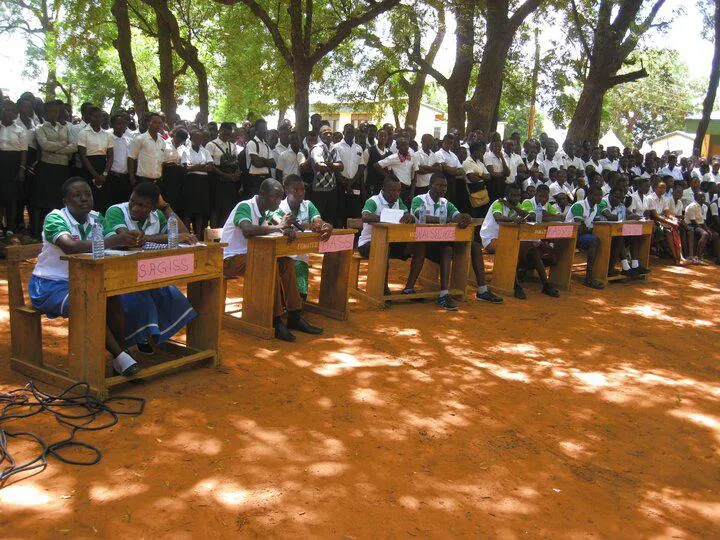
(390,215)
(117,252)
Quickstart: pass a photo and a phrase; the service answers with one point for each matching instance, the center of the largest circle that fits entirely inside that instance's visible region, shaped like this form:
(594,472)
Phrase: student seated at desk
(507,210)
(307,218)
(67,232)
(441,253)
(158,314)
(667,227)
(585,213)
(540,203)
(695,219)
(615,210)
(389,197)
(255,217)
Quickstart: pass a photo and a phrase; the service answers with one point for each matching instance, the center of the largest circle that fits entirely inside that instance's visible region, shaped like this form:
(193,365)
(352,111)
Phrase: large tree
(306,32)
(616,27)
(712,26)
(501,27)
(123,44)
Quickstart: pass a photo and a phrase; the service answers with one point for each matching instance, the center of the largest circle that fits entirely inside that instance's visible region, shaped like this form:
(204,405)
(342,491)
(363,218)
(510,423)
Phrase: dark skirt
(28,187)
(196,194)
(118,188)
(49,180)
(226,197)
(173,178)
(10,188)
(100,194)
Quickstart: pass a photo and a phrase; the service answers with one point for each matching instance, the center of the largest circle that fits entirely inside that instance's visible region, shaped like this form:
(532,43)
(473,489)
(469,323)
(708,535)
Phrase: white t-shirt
(191,157)
(402,166)
(422,159)
(257,147)
(149,154)
(350,156)
(13,138)
(289,162)
(96,143)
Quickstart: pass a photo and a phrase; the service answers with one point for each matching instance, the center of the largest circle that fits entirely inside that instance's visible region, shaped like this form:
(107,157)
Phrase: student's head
(695,183)
(154,122)
(624,162)
(225,131)
(25,107)
(325,135)
(595,194)
(495,146)
(85,111)
(52,110)
(553,173)
(294,189)
(580,181)
(660,189)
(179,136)
(529,192)
(448,142)
(535,172)
(272,138)
(403,145)
(427,142)
(622,182)
(143,200)
(381,137)
(699,197)
(260,126)
(349,134)
(9,112)
(561,176)
(509,146)
(644,185)
(212,128)
(95,116)
(542,194)
(617,195)
(391,189)
(669,181)
(477,150)
(438,186)
(118,123)
(294,141)
(522,172)
(512,194)
(271,194)
(77,196)
(596,154)
(715,162)
(550,149)
(561,199)
(672,160)
(284,134)
(196,138)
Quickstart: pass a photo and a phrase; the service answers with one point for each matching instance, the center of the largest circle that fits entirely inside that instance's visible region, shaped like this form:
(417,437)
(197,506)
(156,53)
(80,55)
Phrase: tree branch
(427,67)
(578,27)
(628,77)
(523,11)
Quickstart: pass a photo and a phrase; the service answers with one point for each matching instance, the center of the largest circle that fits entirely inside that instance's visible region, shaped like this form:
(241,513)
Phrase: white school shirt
(217,148)
(688,197)
(530,182)
(149,154)
(448,158)
(54,143)
(121,149)
(256,147)
(659,204)
(556,188)
(512,160)
(608,165)
(232,234)
(676,208)
(191,157)
(471,166)
(13,138)
(422,159)
(588,214)
(695,213)
(32,143)
(493,163)
(639,203)
(96,143)
(490,229)
(380,204)
(289,162)
(545,166)
(676,172)
(594,164)
(49,265)
(403,167)
(566,161)
(351,157)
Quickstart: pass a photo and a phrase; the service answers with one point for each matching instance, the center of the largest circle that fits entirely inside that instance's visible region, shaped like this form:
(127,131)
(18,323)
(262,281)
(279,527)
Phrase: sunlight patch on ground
(699,419)
(368,395)
(197,443)
(672,505)
(231,494)
(574,449)
(106,493)
(654,311)
(337,363)
(27,496)
(325,469)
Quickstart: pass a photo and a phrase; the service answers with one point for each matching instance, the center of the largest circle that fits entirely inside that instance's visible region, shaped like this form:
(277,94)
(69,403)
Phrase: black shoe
(412,291)
(446,302)
(282,332)
(488,296)
(642,271)
(550,290)
(300,324)
(131,370)
(519,293)
(614,273)
(631,273)
(145,348)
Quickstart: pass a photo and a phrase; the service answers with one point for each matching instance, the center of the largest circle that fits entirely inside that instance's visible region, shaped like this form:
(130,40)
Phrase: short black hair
(258,122)
(71,182)
(436,177)
(542,187)
(148,190)
(226,125)
(182,134)
(291,179)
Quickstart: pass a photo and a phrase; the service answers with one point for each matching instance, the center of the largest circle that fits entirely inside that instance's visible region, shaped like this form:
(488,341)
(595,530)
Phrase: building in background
(679,142)
(711,142)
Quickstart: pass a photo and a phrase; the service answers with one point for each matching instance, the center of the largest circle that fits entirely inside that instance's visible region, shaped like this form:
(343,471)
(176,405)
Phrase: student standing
(173,170)
(196,190)
(13,163)
(374,153)
(401,166)
(225,186)
(351,179)
(325,164)
(95,148)
(449,163)
(147,152)
(26,120)
(117,185)
(425,166)
(259,158)
(292,160)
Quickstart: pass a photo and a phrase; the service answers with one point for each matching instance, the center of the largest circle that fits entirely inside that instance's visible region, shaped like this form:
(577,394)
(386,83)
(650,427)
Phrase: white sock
(625,265)
(123,361)
(482,289)
(444,293)
(635,263)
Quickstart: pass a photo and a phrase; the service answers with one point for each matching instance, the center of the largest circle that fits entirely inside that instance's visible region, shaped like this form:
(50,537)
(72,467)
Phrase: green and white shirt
(232,234)
(490,228)
(432,208)
(582,211)
(306,214)
(375,205)
(60,223)
(118,217)
(530,205)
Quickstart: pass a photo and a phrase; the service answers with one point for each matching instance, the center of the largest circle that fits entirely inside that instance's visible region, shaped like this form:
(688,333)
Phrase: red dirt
(596,415)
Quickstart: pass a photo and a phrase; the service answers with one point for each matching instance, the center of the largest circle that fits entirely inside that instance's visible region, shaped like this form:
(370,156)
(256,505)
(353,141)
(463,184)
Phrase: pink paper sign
(632,229)
(559,231)
(435,234)
(337,242)
(165,267)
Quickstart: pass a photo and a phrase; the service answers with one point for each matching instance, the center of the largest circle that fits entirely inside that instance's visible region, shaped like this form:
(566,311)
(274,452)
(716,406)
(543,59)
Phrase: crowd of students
(64,173)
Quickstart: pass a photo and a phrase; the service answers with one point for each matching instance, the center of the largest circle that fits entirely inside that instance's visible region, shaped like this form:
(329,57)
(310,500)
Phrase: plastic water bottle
(421,218)
(172,227)
(98,241)
(442,214)
(621,212)
(538,213)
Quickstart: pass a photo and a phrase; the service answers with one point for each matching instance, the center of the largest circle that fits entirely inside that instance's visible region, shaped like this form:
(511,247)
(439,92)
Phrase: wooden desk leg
(377,266)
(644,250)
(506,260)
(460,267)
(561,273)
(602,261)
(87,326)
(207,298)
(259,293)
(335,284)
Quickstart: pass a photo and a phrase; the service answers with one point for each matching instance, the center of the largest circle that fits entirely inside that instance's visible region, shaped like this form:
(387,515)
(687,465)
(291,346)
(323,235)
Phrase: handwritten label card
(435,234)
(337,242)
(165,267)
(632,229)
(559,231)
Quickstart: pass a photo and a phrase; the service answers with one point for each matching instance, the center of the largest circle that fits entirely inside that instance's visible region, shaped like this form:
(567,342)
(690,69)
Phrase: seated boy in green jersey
(441,253)
(506,209)
(614,210)
(539,208)
(306,218)
(586,212)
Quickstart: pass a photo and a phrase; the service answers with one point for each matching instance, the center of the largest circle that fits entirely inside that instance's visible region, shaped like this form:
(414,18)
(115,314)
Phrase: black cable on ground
(74,408)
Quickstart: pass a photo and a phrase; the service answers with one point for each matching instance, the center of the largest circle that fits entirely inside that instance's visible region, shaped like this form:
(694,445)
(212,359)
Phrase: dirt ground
(596,415)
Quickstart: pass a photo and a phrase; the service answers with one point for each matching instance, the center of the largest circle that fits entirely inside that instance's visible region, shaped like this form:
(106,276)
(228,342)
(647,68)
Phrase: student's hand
(325,230)
(407,218)
(464,220)
(286,221)
(124,238)
(187,238)
(518,219)
(99,180)
(289,233)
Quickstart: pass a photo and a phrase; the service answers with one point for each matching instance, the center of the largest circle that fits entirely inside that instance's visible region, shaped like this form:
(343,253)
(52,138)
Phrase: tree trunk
(123,45)
(484,105)
(414,93)
(282,111)
(50,46)
(459,80)
(117,99)
(585,124)
(709,101)
(301,85)
(166,84)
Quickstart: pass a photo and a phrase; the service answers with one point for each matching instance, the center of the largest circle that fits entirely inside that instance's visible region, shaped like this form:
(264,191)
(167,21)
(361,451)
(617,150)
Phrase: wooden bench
(357,225)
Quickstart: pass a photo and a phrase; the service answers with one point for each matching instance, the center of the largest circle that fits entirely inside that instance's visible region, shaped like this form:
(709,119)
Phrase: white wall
(674,143)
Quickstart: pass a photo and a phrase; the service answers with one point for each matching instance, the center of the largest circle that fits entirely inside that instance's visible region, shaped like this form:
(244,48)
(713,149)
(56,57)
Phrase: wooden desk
(607,230)
(260,279)
(562,235)
(383,234)
(92,281)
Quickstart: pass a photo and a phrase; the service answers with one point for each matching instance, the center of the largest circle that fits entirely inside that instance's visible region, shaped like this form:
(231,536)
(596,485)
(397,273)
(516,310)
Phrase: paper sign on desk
(437,234)
(391,215)
(337,242)
(559,231)
(632,229)
(165,267)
